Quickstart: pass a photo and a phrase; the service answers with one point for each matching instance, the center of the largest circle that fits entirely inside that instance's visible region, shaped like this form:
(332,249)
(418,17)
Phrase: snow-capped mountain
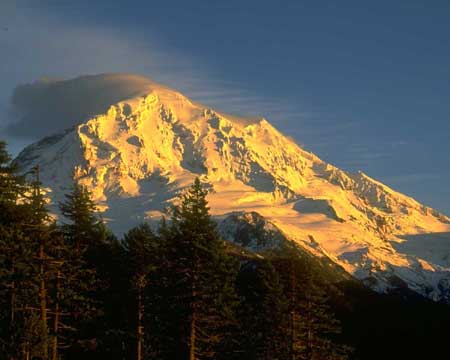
(136,156)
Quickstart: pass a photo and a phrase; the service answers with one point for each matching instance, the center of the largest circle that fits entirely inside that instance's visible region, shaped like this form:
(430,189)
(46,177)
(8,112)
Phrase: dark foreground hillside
(396,326)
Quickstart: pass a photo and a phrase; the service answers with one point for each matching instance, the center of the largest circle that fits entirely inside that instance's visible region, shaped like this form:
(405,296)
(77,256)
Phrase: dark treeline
(71,290)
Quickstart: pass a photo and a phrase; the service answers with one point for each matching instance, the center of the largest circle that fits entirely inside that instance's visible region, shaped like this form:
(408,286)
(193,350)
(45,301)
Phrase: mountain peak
(142,150)
(58,104)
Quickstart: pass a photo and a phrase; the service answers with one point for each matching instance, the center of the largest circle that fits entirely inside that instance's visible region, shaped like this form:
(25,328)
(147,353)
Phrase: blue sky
(363,84)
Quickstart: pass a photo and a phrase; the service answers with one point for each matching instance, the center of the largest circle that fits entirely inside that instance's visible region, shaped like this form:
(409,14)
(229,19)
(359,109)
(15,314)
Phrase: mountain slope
(142,151)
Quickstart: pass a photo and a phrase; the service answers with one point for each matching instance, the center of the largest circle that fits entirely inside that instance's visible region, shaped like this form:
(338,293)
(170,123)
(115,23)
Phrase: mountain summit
(142,150)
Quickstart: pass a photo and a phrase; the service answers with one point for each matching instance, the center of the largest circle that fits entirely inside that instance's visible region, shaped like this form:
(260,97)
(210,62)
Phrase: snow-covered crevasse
(144,150)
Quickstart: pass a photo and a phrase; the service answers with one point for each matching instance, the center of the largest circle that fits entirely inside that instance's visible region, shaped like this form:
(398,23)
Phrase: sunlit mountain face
(143,145)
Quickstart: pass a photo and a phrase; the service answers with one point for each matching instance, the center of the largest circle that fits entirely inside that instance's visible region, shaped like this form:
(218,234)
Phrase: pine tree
(108,302)
(162,301)
(203,276)
(11,189)
(84,229)
(17,287)
(64,295)
(15,256)
(311,329)
(84,237)
(38,229)
(262,311)
(319,327)
(141,249)
(25,239)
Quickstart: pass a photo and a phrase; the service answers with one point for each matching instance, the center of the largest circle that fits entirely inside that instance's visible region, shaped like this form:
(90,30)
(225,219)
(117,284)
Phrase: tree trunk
(192,337)
(140,327)
(56,319)
(193,320)
(43,301)
(292,300)
(309,329)
(13,301)
(42,286)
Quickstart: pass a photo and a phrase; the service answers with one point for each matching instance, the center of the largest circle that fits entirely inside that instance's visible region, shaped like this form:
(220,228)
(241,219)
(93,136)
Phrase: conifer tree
(23,269)
(319,327)
(83,236)
(63,291)
(15,260)
(11,189)
(203,276)
(311,329)
(163,301)
(83,228)
(141,249)
(39,230)
(262,311)
(17,287)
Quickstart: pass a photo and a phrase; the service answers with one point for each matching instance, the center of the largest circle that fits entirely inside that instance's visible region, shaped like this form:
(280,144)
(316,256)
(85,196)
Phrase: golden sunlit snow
(137,156)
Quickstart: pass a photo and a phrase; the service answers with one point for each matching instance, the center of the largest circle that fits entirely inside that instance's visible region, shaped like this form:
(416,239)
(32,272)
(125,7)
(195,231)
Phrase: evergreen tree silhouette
(203,277)
(141,251)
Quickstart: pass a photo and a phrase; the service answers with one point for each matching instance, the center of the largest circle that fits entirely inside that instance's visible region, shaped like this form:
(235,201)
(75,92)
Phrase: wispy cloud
(39,45)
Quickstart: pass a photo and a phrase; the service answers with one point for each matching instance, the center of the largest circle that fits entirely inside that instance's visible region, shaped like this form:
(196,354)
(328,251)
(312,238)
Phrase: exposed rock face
(136,156)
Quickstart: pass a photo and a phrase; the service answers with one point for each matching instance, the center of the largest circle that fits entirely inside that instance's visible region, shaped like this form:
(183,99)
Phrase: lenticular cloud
(52,105)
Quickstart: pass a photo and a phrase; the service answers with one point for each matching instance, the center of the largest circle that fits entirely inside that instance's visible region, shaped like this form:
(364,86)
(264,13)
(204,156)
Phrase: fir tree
(141,248)
(83,228)
(203,277)
(312,328)
(262,311)
(15,257)
(11,189)
(15,209)
(24,238)
(17,287)
(81,253)
(39,231)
